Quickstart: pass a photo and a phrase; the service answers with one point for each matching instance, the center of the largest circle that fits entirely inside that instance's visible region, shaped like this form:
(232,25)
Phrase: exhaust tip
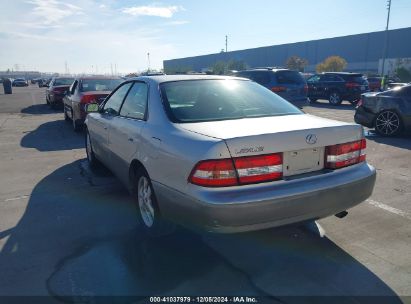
(341,214)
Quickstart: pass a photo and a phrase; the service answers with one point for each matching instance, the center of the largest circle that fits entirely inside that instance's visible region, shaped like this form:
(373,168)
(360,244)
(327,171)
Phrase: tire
(91,157)
(388,123)
(334,98)
(76,126)
(313,100)
(66,118)
(47,101)
(150,219)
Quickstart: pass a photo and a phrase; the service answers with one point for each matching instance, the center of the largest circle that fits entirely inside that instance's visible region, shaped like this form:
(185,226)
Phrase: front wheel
(388,123)
(335,98)
(91,157)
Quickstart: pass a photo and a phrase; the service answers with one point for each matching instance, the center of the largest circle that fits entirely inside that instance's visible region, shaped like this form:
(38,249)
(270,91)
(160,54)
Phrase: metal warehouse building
(363,53)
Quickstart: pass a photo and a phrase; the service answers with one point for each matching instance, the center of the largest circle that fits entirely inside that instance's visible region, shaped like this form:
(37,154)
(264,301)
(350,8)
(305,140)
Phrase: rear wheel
(334,98)
(388,123)
(150,217)
(312,100)
(66,118)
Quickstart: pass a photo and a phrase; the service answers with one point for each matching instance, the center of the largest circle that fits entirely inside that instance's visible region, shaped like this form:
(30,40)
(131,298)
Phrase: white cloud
(178,22)
(52,11)
(157,11)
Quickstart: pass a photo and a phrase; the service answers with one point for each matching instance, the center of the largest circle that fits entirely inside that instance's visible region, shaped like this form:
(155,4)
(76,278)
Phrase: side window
(73,87)
(260,77)
(135,104)
(327,78)
(113,104)
(313,79)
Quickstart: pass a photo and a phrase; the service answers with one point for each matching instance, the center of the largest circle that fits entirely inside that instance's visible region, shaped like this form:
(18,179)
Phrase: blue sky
(92,35)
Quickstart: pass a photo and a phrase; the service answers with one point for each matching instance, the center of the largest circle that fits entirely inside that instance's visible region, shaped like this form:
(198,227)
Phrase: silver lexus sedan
(225,154)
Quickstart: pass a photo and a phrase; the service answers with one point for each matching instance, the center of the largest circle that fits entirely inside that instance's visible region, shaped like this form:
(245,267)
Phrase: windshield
(210,100)
(63,81)
(89,85)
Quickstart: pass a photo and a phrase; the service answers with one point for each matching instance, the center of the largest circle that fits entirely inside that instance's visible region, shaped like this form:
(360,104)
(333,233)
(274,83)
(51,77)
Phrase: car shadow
(402,141)
(53,136)
(79,238)
(345,105)
(39,109)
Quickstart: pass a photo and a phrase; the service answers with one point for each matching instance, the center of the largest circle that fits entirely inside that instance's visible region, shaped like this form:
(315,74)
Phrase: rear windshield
(63,81)
(88,85)
(289,77)
(210,100)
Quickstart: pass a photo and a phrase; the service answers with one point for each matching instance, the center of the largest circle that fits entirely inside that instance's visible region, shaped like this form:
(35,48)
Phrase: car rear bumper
(255,207)
(364,118)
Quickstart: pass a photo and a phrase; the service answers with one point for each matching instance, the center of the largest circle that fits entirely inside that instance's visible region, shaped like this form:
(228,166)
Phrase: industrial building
(363,53)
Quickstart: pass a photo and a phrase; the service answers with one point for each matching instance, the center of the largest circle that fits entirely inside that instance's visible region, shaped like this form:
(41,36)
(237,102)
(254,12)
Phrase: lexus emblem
(311,139)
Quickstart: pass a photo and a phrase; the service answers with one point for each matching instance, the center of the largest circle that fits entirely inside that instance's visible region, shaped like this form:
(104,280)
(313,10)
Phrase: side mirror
(92,107)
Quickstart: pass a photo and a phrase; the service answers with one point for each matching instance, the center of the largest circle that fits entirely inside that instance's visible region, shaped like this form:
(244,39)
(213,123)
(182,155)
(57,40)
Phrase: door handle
(130,139)
(105,128)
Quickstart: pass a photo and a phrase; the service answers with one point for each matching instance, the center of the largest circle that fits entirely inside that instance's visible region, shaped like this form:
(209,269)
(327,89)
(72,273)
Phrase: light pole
(148,61)
(226,40)
(385,44)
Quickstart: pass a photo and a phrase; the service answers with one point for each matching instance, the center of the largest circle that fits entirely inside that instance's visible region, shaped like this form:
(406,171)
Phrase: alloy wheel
(145,201)
(334,98)
(387,123)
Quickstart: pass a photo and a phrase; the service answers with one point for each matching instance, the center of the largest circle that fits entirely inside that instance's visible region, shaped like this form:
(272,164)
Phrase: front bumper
(255,207)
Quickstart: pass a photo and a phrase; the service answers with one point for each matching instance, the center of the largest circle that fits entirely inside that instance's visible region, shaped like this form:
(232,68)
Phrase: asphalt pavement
(71,233)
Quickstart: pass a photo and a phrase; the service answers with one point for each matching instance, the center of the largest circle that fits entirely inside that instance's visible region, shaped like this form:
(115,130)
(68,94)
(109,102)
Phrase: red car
(56,90)
(86,90)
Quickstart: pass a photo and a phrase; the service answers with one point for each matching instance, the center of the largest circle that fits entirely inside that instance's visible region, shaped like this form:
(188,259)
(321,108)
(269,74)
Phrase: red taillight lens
(306,88)
(88,99)
(240,170)
(278,89)
(214,173)
(352,85)
(255,169)
(343,155)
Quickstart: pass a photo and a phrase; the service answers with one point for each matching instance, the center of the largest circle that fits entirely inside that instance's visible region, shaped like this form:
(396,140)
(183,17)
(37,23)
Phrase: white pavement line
(389,208)
(15,198)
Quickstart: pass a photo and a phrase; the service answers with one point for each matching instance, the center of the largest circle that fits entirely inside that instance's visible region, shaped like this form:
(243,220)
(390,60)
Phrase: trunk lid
(99,96)
(255,136)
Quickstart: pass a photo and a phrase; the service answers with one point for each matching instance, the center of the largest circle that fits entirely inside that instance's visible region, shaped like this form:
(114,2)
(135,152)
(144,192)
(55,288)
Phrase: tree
(332,64)
(404,74)
(219,68)
(296,63)
(237,65)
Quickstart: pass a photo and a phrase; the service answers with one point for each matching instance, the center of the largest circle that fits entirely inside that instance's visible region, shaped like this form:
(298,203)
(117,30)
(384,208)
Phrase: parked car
(57,89)
(86,90)
(288,84)
(225,154)
(393,85)
(387,112)
(374,83)
(19,82)
(336,87)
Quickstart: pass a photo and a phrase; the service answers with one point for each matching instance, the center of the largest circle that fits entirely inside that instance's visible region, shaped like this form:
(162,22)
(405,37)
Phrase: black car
(388,112)
(336,87)
(289,84)
(19,82)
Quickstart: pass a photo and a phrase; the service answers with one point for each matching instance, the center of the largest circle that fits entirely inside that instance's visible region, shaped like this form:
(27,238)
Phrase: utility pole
(385,44)
(226,40)
(148,62)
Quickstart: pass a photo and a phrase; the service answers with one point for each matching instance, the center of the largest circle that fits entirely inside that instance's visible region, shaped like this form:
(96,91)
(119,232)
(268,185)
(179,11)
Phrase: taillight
(256,169)
(306,88)
(343,155)
(214,173)
(278,89)
(352,85)
(88,99)
(236,171)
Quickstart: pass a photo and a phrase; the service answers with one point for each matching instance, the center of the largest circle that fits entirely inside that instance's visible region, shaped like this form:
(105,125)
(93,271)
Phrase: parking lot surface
(68,231)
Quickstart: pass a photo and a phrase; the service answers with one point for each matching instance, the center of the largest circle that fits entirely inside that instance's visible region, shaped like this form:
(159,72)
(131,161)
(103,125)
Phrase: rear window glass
(63,81)
(89,85)
(355,78)
(261,77)
(289,77)
(210,100)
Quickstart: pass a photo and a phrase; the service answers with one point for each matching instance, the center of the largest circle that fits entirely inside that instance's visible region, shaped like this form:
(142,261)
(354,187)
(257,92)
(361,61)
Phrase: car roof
(268,69)
(169,78)
(343,73)
(98,77)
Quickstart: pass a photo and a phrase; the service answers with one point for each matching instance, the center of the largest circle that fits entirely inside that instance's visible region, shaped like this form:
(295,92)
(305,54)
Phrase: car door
(67,100)
(405,108)
(99,123)
(313,84)
(126,129)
